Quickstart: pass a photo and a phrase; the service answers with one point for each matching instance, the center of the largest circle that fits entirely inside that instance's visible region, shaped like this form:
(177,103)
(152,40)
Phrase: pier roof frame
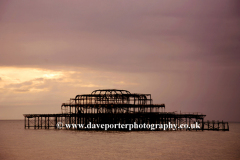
(112,92)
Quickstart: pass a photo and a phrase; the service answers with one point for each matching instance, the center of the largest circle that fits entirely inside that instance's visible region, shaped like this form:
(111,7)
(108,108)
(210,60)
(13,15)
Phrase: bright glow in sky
(11,75)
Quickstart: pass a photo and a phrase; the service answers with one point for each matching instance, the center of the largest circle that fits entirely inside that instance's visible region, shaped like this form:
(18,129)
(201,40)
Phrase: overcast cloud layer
(185,53)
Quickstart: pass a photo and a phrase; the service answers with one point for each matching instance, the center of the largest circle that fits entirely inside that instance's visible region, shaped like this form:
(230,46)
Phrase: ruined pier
(112,106)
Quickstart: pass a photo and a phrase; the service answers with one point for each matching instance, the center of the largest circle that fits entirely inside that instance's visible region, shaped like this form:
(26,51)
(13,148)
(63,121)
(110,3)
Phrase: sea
(18,143)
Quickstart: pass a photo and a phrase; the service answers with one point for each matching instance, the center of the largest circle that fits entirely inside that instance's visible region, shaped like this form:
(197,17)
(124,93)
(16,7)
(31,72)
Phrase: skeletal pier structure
(112,106)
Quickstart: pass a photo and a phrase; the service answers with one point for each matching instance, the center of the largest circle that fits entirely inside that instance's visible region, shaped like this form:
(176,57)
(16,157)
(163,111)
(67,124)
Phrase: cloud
(21,90)
(35,80)
(121,36)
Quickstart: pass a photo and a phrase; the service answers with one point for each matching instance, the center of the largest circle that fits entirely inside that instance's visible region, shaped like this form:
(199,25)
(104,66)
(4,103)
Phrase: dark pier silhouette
(112,106)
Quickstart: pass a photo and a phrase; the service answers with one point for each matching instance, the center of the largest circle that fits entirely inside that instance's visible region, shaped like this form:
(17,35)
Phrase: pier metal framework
(112,106)
(111,101)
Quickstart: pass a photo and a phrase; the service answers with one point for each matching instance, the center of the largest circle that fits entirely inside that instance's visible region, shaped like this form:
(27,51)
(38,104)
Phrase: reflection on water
(18,143)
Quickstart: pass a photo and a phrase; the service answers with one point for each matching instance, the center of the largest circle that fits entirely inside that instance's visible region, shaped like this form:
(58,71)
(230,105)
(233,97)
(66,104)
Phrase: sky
(186,53)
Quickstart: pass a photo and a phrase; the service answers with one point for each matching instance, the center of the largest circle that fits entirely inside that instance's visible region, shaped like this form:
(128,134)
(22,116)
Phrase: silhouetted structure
(112,106)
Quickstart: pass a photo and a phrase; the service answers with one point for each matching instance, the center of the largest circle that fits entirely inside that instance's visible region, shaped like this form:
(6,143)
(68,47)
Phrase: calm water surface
(17,143)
